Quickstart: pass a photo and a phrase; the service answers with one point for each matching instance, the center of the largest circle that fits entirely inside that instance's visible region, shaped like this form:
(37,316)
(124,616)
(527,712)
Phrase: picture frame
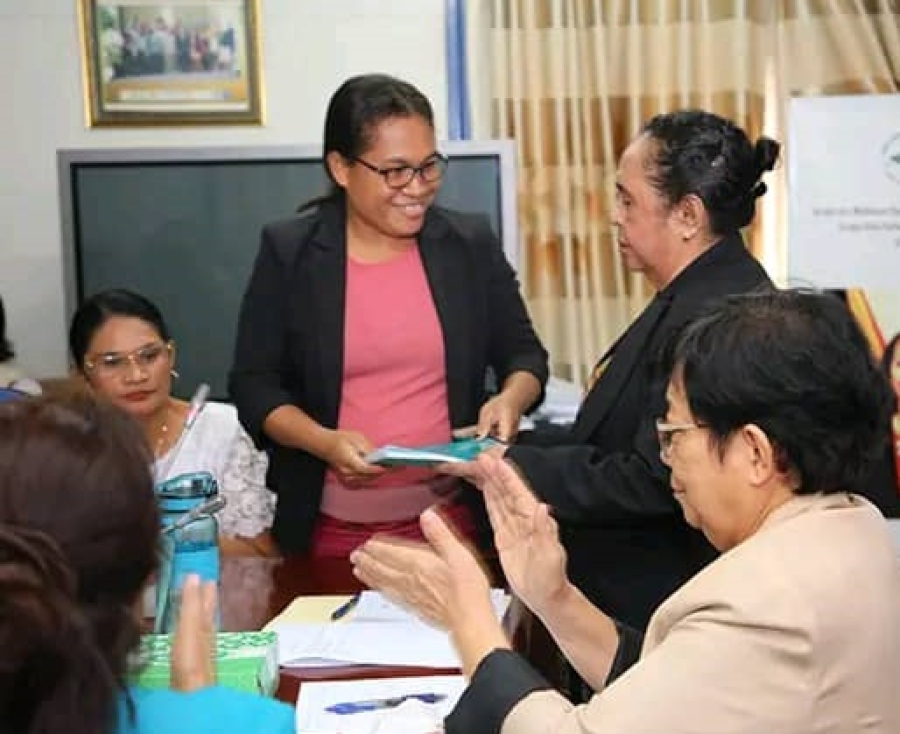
(171,62)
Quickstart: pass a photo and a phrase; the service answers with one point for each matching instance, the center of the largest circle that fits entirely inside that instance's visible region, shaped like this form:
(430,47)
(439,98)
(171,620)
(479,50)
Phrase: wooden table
(254,590)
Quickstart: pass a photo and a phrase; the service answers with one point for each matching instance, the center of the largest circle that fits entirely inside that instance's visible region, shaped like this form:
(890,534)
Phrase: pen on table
(374,704)
(344,609)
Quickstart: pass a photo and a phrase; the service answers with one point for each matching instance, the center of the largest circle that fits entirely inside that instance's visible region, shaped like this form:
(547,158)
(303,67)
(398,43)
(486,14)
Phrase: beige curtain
(572,81)
(839,46)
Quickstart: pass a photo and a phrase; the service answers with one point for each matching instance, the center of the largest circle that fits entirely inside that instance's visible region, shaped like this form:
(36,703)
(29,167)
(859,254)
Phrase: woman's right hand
(526,536)
(345,452)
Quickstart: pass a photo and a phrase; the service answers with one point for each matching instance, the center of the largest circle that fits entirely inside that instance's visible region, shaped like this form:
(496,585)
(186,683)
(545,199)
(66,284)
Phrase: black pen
(344,609)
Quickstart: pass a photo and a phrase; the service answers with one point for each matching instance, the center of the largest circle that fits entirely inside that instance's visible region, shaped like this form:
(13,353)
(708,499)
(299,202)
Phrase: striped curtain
(845,46)
(572,82)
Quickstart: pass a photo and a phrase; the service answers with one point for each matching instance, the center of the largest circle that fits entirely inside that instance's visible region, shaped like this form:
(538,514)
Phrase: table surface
(254,590)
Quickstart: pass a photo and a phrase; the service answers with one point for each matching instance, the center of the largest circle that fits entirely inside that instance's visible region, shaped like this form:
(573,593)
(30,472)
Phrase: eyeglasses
(398,177)
(116,364)
(666,432)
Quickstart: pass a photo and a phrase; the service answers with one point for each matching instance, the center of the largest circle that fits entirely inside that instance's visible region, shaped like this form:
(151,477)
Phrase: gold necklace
(163,435)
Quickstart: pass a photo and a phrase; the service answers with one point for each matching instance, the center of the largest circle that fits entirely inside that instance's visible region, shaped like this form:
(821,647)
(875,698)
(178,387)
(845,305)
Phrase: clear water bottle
(191,548)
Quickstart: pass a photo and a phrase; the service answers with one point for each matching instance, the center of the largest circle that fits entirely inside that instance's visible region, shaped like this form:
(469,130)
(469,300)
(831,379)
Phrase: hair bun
(765,154)
(758,190)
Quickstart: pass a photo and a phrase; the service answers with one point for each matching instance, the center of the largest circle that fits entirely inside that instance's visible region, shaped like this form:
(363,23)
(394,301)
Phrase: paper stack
(376,632)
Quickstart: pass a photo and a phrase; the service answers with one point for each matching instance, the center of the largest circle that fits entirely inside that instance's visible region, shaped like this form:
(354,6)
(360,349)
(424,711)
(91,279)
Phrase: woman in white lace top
(122,347)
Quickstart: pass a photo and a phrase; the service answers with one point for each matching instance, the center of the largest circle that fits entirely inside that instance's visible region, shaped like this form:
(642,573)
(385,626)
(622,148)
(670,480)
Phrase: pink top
(394,387)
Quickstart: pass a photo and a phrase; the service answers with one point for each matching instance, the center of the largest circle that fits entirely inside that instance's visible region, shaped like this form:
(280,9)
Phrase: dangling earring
(174,374)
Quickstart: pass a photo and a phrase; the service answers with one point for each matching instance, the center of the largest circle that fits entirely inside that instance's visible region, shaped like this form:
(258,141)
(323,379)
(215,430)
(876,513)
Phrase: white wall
(308,48)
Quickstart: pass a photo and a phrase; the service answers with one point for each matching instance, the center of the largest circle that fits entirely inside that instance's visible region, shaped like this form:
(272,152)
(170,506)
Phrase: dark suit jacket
(628,544)
(290,340)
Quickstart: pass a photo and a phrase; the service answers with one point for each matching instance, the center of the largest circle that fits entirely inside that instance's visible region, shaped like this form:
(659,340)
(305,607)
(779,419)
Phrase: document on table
(377,632)
(415,705)
(312,609)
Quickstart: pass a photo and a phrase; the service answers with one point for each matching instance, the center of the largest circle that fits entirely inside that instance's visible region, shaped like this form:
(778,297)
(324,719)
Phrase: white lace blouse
(218,444)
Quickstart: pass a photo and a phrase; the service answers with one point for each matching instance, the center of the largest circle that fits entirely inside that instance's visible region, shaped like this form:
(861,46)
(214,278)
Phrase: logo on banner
(891,155)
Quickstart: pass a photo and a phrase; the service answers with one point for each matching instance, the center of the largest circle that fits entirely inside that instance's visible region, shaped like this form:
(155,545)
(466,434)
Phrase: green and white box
(246,661)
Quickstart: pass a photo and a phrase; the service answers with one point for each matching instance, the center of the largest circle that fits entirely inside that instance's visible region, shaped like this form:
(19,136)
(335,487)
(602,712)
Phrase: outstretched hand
(439,580)
(525,534)
(499,417)
(344,454)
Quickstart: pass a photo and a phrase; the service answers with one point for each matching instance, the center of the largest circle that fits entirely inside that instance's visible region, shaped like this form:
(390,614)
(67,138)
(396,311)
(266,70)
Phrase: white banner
(844,192)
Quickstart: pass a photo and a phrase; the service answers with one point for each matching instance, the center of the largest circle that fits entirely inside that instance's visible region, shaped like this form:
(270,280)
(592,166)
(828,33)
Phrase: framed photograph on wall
(171,62)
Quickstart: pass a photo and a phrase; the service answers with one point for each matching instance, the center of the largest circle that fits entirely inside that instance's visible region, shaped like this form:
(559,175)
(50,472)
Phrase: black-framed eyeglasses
(666,431)
(398,177)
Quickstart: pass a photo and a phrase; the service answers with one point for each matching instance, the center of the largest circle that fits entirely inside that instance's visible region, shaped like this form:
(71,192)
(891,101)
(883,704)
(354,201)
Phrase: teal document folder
(444,453)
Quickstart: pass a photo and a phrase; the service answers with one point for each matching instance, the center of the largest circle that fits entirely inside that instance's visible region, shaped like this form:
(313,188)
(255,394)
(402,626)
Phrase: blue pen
(374,704)
(344,609)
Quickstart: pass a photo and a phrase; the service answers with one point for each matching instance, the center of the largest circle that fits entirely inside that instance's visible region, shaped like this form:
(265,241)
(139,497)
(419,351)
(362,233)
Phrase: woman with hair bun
(685,187)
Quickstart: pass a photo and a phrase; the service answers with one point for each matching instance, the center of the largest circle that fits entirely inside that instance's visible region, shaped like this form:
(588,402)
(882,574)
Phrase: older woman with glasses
(122,347)
(775,409)
(372,319)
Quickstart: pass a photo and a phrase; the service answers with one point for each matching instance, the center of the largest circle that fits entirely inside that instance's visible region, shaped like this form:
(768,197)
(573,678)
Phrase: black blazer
(290,337)
(628,544)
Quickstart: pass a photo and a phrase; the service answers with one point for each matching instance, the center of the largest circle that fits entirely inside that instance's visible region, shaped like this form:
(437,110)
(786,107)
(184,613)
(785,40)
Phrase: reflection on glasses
(115,364)
(396,177)
(666,432)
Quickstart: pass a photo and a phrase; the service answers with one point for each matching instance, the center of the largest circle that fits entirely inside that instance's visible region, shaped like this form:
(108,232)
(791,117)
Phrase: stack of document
(375,632)
(415,705)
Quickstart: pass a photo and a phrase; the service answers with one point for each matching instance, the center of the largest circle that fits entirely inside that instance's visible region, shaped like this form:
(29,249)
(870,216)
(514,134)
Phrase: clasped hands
(442,581)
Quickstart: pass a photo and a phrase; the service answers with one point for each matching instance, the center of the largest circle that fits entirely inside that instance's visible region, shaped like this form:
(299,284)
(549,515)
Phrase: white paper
(561,402)
(365,643)
(410,717)
(843,157)
(373,606)
(377,633)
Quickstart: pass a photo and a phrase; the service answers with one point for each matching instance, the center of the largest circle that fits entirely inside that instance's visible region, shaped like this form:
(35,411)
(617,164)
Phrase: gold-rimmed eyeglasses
(117,364)
(666,432)
(398,177)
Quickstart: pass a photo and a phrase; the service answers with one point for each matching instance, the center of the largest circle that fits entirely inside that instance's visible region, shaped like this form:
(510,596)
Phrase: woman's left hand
(439,581)
(499,417)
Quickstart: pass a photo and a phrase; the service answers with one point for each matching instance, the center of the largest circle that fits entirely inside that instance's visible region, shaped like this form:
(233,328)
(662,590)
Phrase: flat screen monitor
(182,227)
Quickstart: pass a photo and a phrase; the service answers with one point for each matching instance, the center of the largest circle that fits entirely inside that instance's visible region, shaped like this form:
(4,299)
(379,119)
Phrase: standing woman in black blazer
(372,319)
